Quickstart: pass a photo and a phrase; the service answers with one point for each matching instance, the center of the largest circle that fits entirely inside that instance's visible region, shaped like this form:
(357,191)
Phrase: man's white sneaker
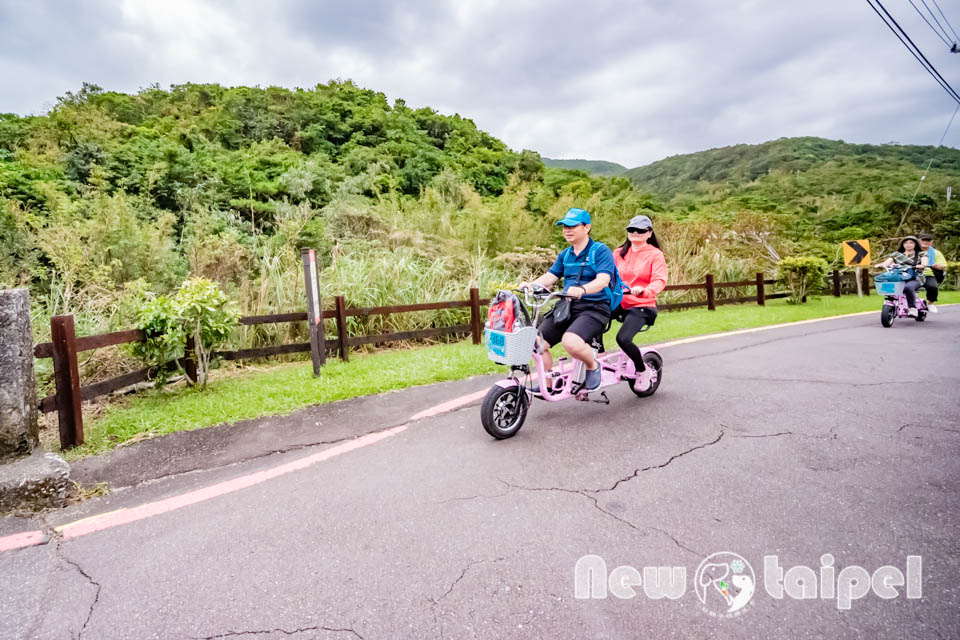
(912,312)
(932,308)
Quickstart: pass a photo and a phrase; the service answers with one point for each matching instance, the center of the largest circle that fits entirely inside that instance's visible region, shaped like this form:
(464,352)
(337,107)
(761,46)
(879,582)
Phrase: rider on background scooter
(585,280)
(935,272)
(916,262)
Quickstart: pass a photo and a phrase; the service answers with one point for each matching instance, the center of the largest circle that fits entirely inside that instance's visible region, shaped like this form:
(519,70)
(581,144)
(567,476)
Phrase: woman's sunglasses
(635,230)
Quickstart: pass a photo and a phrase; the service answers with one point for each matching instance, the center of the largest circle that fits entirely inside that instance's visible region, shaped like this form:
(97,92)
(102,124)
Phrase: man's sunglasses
(635,230)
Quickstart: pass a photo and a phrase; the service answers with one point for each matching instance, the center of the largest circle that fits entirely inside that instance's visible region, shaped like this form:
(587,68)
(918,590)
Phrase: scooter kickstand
(605,400)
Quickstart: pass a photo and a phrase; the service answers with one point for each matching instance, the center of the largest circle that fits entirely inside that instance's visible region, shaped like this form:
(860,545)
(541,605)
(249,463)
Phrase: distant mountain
(594,167)
(834,161)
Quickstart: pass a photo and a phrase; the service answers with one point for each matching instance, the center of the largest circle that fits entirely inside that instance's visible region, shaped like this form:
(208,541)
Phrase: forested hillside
(593,167)
(111,195)
(821,189)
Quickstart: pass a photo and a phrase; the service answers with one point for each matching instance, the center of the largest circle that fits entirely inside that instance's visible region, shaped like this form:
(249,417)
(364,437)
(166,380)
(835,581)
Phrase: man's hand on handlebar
(638,290)
(533,287)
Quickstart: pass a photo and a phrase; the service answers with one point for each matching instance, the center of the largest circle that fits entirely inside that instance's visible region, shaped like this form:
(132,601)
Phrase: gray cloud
(625,82)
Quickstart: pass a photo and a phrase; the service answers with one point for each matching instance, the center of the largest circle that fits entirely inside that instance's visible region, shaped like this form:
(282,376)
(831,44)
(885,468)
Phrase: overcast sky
(630,82)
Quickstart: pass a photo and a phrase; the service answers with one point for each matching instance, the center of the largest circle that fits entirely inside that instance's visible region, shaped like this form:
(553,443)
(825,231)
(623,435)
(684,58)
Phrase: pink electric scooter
(504,408)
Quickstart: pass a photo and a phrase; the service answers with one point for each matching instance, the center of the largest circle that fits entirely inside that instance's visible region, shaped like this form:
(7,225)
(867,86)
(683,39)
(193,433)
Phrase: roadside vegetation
(110,197)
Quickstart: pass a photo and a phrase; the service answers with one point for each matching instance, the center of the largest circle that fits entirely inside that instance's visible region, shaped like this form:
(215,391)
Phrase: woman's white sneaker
(643,379)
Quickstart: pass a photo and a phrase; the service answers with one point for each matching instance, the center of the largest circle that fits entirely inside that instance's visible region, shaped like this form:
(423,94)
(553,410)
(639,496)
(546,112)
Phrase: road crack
(233,634)
(463,573)
(929,626)
(435,602)
(927,426)
(590,494)
(842,383)
(637,472)
(478,496)
(196,470)
(57,538)
(787,433)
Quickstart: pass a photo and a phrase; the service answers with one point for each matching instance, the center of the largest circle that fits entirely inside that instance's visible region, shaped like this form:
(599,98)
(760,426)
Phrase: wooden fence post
(865,280)
(342,337)
(761,294)
(711,293)
(190,360)
(836,283)
(318,353)
(67,376)
(476,323)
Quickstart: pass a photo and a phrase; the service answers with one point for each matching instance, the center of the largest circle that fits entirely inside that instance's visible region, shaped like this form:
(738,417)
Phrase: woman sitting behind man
(643,268)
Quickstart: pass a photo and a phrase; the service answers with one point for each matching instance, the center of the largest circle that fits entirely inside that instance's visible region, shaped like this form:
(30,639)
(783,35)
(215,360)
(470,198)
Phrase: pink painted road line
(126,516)
(450,405)
(17,540)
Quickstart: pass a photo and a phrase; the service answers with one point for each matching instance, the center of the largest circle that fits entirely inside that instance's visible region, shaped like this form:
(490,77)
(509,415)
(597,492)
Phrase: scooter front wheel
(503,411)
(887,315)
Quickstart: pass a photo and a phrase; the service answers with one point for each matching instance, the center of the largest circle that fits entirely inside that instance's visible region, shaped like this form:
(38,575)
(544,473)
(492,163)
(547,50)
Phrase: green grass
(287,387)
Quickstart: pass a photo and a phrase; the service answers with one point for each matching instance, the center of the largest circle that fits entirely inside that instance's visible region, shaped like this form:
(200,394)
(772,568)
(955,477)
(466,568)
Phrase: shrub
(952,280)
(200,310)
(801,274)
(163,335)
(206,315)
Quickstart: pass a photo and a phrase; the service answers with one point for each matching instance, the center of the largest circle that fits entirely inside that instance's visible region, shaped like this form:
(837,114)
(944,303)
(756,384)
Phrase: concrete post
(28,477)
(18,395)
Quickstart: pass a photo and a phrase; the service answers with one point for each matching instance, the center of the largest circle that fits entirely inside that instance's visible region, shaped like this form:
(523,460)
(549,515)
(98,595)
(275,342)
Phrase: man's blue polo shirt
(567,266)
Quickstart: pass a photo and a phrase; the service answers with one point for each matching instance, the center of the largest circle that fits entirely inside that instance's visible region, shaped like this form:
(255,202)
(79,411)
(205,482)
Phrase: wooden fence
(65,345)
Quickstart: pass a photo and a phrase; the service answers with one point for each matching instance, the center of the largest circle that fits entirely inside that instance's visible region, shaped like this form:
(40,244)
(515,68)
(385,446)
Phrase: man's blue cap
(575,217)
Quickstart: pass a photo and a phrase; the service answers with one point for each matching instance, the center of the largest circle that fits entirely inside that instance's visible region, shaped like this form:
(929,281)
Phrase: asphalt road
(837,437)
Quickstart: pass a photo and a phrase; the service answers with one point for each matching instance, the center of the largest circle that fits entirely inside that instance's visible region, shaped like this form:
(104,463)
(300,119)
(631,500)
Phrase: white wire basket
(893,288)
(510,348)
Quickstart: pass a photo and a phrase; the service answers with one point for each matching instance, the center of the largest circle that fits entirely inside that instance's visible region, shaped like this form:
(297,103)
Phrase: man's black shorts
(587,319)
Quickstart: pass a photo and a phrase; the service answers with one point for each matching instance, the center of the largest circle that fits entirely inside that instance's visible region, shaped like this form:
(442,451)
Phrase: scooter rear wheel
(503,411)
(887,315)
(656,363)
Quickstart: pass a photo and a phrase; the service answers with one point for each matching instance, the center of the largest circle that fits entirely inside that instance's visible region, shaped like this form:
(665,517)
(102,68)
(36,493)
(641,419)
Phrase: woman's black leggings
(910,291)
(633,320)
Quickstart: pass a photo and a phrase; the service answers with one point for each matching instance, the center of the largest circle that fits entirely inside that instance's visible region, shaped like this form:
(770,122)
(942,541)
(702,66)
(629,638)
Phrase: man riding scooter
(587,268)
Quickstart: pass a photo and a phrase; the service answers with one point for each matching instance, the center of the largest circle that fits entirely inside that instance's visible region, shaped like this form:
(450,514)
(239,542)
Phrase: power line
(950,89)
(923,175)
(913,49)
(935,18)
(945,19)
(928,22)
(948,126)
(942,83)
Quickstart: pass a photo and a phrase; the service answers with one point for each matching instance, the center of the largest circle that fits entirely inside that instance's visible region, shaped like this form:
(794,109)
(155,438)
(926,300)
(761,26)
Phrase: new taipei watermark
(725,583)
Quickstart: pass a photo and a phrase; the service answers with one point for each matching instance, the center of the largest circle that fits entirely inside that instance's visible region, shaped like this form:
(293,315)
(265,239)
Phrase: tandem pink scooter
(504,408)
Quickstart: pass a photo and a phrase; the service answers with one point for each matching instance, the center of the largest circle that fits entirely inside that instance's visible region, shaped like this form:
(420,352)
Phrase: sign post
(314,313)
(856,253)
